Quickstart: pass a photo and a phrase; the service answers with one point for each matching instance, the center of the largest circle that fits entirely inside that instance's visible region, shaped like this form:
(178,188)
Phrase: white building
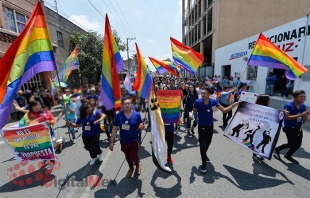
(293,38)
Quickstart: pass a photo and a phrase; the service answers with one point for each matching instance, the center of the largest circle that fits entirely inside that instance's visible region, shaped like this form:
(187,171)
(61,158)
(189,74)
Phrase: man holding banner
(205,122)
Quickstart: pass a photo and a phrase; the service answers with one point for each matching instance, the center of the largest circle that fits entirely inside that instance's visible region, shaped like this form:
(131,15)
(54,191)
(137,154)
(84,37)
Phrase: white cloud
(149,41)
(82,19)
(139,12)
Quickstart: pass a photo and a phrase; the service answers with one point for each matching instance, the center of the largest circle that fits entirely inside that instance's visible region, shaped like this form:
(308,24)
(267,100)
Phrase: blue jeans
(71,129)
(269,89)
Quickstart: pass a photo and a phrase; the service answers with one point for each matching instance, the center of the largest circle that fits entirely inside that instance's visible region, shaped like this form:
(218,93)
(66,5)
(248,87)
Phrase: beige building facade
(210,24)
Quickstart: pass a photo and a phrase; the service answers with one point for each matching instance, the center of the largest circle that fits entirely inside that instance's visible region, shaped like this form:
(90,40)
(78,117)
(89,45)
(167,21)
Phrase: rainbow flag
(110,93)
(248,144)
(267,54)
(77,93)
(177,68)
(163,66)
(29,54)
(52,85)
(169,102)
(72,63)
(143,82)
(185,56)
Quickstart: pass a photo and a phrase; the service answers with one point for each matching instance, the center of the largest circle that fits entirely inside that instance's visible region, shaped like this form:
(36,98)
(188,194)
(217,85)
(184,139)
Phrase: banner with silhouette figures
(256,128)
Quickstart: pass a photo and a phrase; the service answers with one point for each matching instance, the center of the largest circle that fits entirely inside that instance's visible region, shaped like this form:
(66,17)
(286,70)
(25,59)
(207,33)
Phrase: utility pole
(128,39)
(56,6)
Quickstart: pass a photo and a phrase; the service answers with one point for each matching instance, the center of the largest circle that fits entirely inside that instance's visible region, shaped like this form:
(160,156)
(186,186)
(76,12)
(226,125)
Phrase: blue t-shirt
(95,97)
(205,112)
(290,106)
(169,127)
(128,127)
(88,126)
(70,114)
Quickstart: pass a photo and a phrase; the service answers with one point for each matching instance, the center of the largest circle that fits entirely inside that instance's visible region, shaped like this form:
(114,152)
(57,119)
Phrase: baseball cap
(92,89)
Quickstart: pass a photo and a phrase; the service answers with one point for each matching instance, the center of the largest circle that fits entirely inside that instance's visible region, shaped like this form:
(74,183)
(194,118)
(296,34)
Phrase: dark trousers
(205,138)
(188,120)
(293,140)
(91,143)
(226,116)
(169,138)
(131,152)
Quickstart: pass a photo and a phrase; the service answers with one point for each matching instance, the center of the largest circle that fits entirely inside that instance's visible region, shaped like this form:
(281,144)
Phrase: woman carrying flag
(38,113)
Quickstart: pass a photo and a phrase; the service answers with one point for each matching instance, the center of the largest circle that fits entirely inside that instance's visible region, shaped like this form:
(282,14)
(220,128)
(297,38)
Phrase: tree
(90,46)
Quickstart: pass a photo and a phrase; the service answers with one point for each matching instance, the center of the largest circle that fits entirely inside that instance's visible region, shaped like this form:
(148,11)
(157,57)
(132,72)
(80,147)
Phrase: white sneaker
(177,133)
(93,161)
(100,157)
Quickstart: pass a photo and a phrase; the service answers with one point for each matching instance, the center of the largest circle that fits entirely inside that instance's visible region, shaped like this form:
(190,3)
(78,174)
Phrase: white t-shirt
(198,92)
(248,82)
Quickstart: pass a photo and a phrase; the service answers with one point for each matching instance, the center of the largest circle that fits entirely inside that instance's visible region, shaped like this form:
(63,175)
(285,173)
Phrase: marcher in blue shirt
(90,120)
(296,115)
(270,82)
(129,122)
(205,122)
(68,110)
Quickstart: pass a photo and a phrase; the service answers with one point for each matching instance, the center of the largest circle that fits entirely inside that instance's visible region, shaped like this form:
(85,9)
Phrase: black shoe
(289,158)
(203,168)
(255,159)
(207,159)
(189,134)
(276,154)
(193,132)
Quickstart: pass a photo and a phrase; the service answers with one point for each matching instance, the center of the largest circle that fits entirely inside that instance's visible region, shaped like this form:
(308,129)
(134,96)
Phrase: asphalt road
(231,173)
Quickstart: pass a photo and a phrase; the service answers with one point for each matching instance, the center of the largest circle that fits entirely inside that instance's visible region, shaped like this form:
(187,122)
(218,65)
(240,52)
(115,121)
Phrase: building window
(60,39)
(14,21)
(252,72)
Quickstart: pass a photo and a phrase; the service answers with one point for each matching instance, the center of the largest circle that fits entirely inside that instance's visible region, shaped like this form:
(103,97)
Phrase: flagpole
(242,76)
(64,103)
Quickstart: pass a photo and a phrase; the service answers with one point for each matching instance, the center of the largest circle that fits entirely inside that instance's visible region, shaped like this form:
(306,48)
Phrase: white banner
(248,97)
(255,128)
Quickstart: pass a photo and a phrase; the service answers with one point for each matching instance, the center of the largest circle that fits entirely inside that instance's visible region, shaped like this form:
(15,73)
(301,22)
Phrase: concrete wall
(56,22)
(238,19)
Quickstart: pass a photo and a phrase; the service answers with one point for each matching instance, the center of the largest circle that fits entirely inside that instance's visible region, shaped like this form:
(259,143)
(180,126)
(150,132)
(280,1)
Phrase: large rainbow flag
(163,66)
(110,93)
(143,82)
(72,63)
(185,56)
(267,54)
(29,54)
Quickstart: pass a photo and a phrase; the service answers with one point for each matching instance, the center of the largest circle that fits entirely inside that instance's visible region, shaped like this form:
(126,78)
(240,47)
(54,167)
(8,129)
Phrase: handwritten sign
(29,143)
(248,97)
(169,102)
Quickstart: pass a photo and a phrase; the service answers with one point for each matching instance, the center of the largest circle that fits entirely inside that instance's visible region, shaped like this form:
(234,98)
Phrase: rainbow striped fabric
(77,93)
(110,93)
(185,56)
(143,82)
(267,54)
(52,85)
(163,66)
(29,54)
(72,63)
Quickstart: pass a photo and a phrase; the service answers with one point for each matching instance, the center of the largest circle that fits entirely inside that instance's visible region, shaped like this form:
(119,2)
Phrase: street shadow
(160,191)
(262,168)
(209,177)
(126,187)
(82,174)
(248,181)
(215,131)
(189,142)
(41,177)
(301,153)
(297,169)
(143,153)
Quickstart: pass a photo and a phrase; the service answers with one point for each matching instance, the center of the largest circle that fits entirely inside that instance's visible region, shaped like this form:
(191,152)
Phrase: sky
(151,22)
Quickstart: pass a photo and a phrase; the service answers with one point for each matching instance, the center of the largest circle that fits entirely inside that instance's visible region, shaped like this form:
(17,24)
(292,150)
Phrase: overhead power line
(124,17)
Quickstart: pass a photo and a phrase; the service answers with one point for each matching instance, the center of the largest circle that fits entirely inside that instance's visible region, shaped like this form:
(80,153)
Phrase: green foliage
(90,47)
